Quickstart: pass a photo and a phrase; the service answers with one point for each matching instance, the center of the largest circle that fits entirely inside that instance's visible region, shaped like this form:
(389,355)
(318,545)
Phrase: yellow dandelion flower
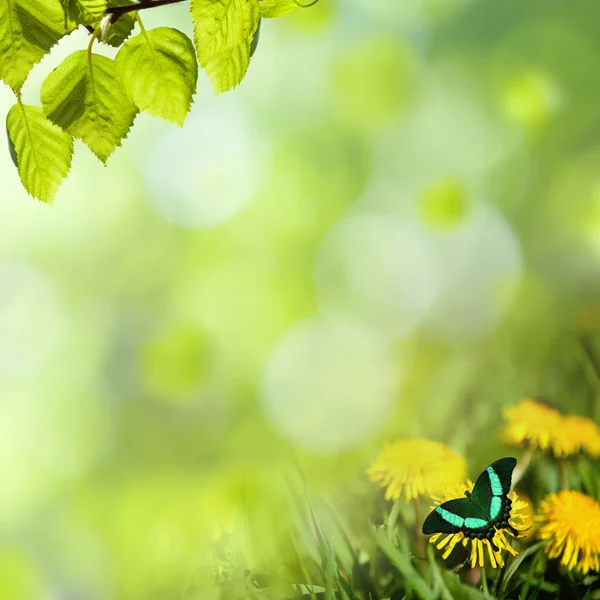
(571,520)
(527,515)
(537,426)
(585,434)
(520,518)
(416,467)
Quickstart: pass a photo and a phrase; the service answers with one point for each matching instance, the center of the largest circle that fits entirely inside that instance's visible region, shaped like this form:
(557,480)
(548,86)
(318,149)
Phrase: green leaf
(254,44)
(330,569)
(86,98)
(224,30)
(121,30)
(437,575)
(84,12)
(159,71)
(459,591)
(277,8)
(541,584)
(402,562)
(42,152)
(516,563)
(590,478)
(28,29)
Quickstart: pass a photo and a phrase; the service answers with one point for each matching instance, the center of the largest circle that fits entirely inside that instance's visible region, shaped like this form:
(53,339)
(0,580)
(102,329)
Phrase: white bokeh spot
(32,319)
(380,269)
(480,266)
(206,172)
(329,385)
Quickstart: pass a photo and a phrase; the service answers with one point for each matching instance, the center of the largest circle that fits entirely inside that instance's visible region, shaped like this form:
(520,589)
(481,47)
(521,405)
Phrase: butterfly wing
(504,468)
(491,489)
(448,517)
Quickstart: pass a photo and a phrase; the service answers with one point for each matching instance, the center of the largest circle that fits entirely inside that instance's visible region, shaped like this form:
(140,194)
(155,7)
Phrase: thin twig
(118,11)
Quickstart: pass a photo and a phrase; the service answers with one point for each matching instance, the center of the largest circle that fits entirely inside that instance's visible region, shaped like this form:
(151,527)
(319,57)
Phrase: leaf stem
(144,33)
(564,471)
(300,5)
(94,36)
(118,11)
(522,467)
(139,22)
(484,582)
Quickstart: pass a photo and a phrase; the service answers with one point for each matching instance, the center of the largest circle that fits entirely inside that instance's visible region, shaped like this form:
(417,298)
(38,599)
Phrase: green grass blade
(518,561)
(437,575)
(404,566)
(330,568)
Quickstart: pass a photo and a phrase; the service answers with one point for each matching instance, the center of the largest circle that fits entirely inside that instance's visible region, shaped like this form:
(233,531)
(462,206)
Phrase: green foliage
(224,52)
(85,97)
(96,99)
(28,30)
(277,8)
(86,12)
(159,71)
(402,562)
(119,31)
(333,558)
(41,151)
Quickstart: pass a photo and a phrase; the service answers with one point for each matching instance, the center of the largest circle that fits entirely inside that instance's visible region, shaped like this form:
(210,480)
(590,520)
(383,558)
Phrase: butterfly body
(481,512)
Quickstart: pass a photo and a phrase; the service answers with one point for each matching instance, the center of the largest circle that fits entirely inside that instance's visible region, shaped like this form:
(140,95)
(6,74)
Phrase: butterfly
(483,511)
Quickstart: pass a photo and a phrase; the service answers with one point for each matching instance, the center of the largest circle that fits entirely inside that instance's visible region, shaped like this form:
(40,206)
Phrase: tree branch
(117,12)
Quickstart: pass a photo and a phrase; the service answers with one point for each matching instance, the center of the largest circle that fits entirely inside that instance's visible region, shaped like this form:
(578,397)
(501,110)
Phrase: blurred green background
(391,228)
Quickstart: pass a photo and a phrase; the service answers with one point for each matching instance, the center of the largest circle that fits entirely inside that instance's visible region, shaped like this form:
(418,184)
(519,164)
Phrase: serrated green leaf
(12,150)
(254,44)
(277,8)
(84,12)
(159,71)
(121,30)
(28,29)
(224,30)
(42,152)
(86,98)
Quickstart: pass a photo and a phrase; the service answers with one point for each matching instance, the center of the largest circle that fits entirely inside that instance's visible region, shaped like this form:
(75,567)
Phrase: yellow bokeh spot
(312,18)
(19,579)
(373,83)
(174,362)
(444,204)
(530,99)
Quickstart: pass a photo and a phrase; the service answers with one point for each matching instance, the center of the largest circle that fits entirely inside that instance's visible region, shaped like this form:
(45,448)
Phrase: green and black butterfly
(483,511)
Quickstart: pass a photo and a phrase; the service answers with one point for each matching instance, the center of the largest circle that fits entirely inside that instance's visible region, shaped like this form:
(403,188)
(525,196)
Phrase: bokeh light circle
(447,133)
(328,385)
(32,320)
(73,428)
(480,267)
(206,172)
(378,268)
